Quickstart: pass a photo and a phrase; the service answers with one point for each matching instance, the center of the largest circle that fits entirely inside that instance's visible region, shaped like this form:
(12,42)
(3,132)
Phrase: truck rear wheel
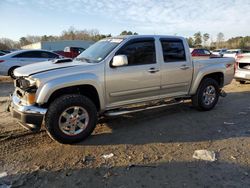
(71,118)
(207,95)
(242,82)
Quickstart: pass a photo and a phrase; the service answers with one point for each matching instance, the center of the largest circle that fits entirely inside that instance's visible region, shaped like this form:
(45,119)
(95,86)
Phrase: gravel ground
(150,149)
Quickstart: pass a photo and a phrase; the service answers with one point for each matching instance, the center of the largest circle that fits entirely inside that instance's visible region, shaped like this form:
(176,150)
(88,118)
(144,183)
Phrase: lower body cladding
(29,116)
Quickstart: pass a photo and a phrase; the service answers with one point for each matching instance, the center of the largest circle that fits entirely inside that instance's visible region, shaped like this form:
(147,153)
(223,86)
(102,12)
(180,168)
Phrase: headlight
(27,83)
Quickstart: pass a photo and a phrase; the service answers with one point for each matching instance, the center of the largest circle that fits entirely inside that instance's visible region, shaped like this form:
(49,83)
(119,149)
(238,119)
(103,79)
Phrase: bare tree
(220,40)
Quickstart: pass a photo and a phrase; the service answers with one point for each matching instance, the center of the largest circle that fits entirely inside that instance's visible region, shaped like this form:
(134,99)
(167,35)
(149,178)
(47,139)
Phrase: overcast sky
(181,17)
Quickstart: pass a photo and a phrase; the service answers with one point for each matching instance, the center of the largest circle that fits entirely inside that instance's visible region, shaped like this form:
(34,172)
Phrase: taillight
(1,61)
(239,56)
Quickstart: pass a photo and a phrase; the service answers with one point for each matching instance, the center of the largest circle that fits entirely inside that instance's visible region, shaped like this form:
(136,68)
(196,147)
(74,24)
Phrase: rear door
(140,79)
(176,68)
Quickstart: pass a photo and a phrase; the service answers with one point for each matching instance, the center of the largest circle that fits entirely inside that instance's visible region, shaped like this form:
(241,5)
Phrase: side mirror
(119,60)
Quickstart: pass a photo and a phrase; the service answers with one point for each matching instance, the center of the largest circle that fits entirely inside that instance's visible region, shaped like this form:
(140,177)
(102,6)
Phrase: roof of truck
(143,36)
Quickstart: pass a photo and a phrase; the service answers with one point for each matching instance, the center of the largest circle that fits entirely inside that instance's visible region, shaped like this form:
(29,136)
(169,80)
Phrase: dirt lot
(151,149)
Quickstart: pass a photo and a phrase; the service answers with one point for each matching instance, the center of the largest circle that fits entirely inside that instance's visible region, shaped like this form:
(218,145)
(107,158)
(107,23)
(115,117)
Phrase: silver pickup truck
(114,76)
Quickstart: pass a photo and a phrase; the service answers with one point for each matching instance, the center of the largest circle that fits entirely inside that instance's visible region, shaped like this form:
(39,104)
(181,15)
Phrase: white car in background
(242,68)
(11,61)
(219,52)
(232,53)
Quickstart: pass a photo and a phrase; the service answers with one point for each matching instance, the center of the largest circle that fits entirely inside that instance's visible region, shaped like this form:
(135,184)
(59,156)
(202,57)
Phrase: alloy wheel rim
(209,95)
(73,120)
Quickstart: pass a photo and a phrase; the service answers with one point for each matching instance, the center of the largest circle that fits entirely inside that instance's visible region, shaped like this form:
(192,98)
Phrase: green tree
(190,41)
(23,41)
(128,33)
(205,38)
(197,39)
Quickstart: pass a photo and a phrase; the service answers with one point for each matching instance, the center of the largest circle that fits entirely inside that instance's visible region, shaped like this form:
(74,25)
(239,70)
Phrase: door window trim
(144,39)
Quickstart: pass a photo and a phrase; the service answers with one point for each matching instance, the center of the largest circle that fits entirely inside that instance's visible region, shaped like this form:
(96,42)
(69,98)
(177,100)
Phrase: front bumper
(29,116)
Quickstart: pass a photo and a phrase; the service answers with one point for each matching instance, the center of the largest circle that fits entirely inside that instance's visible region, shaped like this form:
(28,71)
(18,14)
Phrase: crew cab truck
(112,77)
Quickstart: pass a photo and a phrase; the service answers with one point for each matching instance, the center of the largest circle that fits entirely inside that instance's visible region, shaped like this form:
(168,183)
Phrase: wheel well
(86,90)
(218,76)
(11,68)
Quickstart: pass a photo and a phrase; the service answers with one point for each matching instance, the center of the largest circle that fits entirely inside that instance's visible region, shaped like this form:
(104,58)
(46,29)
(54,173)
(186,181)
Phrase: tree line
(70,34)
(205,40)
(197,40)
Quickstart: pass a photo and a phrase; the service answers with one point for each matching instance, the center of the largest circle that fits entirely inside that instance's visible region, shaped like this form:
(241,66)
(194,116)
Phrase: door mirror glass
(119,60)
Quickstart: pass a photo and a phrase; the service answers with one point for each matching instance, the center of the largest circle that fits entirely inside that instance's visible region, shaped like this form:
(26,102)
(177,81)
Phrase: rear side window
(139,52)
(173,50)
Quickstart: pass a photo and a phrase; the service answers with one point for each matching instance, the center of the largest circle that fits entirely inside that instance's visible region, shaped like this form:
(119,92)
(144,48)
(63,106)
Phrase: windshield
(99,50)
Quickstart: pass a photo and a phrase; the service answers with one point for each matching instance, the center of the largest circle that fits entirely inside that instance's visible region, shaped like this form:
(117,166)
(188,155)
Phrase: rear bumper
(242,75)
(30,116)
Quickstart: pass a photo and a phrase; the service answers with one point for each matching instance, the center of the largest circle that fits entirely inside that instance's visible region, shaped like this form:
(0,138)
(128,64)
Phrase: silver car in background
(219,52)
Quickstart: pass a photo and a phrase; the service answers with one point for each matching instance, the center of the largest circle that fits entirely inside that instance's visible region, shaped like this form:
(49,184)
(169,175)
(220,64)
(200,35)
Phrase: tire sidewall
(58,107)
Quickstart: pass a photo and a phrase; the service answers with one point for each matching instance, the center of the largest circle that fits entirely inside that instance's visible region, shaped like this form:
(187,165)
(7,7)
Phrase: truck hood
(45,66)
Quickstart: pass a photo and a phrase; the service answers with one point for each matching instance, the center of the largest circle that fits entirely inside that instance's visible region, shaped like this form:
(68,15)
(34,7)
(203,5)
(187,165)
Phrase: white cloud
(160,16)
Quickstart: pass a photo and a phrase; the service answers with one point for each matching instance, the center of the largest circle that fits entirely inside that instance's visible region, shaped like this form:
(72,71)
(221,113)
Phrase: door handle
(184,67)
(153,70)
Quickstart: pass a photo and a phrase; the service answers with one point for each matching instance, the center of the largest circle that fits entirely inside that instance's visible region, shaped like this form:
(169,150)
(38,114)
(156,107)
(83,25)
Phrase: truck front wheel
(71,118)
(207,95)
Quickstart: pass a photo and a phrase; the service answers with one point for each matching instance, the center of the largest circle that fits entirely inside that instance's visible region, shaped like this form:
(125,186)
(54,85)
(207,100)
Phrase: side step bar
(119,112)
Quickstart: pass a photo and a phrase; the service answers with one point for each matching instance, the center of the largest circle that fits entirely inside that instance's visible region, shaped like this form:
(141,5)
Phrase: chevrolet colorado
(114,76)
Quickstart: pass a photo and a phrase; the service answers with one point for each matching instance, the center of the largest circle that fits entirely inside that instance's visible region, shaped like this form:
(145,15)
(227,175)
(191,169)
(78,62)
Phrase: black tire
(198,100)
(242,82)
(59,106)
(11,72)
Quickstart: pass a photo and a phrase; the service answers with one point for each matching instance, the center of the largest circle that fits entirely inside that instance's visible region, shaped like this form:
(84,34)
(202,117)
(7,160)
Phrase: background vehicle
(109,78)
(202,53)
(219,52)
(232,53)
(242,68)
(9,62)
(71,52)
(5,51)
(2,53)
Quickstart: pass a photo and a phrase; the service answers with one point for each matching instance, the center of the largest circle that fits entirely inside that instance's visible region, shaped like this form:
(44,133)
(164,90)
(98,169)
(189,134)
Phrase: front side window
(139,52)
(173,50)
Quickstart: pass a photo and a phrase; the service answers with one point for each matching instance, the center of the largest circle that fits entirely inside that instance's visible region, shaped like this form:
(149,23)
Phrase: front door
(139,80)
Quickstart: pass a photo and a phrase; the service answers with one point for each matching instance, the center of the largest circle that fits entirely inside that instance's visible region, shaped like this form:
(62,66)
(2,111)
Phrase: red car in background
(201,52)
(70,52)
